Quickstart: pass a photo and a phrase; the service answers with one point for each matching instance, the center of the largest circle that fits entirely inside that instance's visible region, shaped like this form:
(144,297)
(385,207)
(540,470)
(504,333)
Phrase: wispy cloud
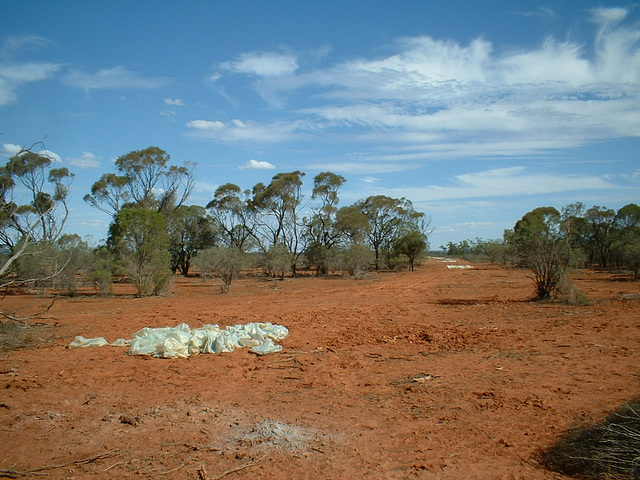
(113,78)
(14,44)
(436,99)
(13,76)
(503,182)
(86,160)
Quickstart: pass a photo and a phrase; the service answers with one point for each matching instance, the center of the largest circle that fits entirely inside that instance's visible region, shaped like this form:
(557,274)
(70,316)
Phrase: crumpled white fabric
(181,341)
(80,341)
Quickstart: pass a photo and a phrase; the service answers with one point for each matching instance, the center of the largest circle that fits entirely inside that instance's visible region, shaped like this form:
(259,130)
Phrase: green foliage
(190,231)
(388,219)
(223,263)
(140,240)
(279,202)
(323,230)
(601,223)
(233,215)
(478,250)
(37,266)
(411,245)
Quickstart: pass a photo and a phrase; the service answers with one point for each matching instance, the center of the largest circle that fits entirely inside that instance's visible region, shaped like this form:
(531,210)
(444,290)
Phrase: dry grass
(608,450)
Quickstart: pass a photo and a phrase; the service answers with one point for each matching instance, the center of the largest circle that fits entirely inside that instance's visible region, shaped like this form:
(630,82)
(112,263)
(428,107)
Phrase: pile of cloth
(182,341)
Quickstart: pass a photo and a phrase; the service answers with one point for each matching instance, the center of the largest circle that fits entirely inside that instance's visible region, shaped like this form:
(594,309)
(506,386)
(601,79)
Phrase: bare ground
(437,373)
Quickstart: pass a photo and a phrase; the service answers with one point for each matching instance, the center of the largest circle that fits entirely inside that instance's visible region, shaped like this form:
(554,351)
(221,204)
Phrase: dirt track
(437,373)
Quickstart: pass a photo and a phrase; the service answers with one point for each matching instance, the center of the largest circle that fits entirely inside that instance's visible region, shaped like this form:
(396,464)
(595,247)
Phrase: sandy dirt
(434,374)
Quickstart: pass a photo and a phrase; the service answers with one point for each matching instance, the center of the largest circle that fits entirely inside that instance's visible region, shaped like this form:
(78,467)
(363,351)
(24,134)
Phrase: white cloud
(267,64)
(240,131)
(116,77)
(370,180)
(54,157)
(10,149)
(86,160)
(258,165)
(176,101)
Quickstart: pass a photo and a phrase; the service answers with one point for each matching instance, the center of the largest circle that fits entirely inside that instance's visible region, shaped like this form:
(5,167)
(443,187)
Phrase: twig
(202,473)
(173,469)
(294,355)
(235,469)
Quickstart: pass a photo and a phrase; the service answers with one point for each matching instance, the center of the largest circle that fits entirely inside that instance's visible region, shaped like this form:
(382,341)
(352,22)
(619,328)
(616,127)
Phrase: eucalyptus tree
(626,238)
(190,231)
(234,216)
(33,214)
(33,203)
(278,206)
(387,220)
(322,228)
(601,221)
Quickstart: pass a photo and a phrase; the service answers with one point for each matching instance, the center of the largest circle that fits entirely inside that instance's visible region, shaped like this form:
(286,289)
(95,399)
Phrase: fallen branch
(13,316)
(35,471)
(235,469)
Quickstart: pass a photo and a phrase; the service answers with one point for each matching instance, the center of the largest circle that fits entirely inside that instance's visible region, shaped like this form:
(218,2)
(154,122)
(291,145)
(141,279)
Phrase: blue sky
(476,111)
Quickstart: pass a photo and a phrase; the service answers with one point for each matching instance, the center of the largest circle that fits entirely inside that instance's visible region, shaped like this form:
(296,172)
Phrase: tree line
(154,233)
(549,242)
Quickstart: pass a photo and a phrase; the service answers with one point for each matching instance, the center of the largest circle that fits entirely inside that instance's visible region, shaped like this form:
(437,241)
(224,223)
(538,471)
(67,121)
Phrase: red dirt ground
(432,374)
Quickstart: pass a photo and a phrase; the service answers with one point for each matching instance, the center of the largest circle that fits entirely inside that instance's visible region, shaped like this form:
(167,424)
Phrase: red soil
(437,373)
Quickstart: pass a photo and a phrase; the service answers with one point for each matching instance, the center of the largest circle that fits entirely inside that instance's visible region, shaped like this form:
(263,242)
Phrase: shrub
(357,259)
(102,281)
(277,261)
(224,263)
(541,247)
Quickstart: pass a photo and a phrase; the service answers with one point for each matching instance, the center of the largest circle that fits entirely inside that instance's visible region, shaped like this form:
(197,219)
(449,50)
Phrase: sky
(476,111)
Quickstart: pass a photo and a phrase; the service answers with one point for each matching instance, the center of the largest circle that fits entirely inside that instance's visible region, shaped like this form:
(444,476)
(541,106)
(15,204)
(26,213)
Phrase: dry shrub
(17,335)
(608,450)
(568,292)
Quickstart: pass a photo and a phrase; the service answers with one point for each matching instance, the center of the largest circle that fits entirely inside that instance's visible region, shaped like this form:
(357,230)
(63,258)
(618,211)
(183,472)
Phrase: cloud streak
(113,78)
(506,182)
(435,99)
